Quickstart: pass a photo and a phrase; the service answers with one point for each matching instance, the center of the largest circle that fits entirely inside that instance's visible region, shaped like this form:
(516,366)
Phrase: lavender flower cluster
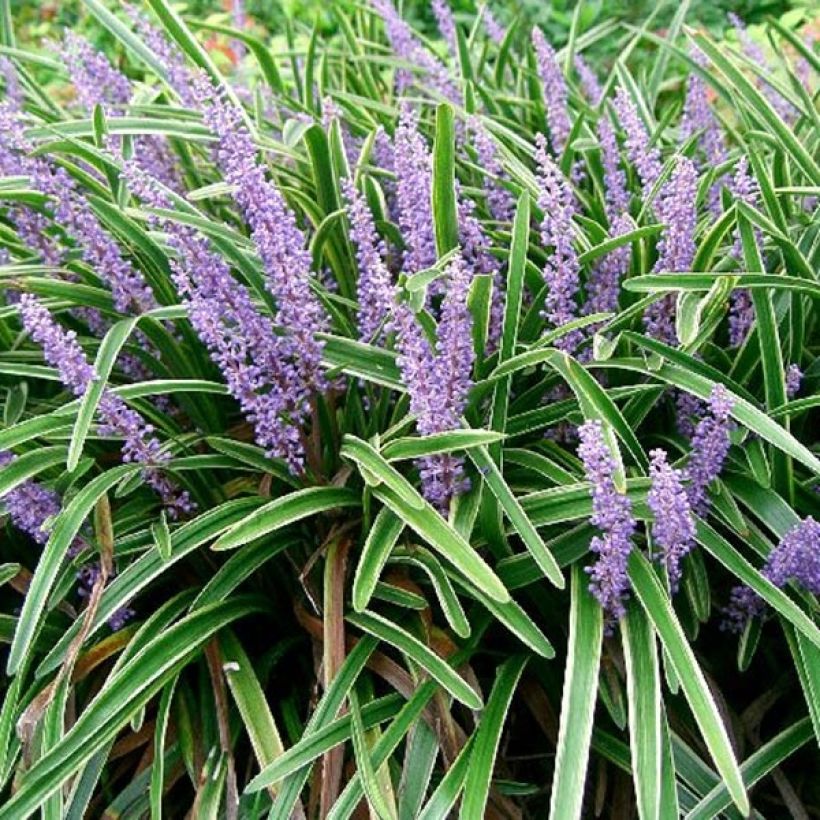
(795,559)
(32,508)
(438,379)
(612,514)
(562,269)
(62,351)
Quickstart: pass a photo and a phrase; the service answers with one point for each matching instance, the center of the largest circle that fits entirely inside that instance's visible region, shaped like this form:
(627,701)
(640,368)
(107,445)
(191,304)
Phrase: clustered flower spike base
(415,422)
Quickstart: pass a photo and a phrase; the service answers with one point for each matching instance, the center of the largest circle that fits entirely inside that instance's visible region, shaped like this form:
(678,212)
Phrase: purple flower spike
(62,351)
(13,90)
(438,381)
(73,212)
(787,112)
(562,269)
(177,73)
(589,80)
(699,117)
(741,311)
(710,446)
(617,195)
(555,92)
(794,377)
(495,30)
(676,247)
(674,527)
(604,284)
(95,80)
(795,559)
(612,514)
(407,46)
(254,359)
(414,179)
(446,24)
(500,201)
(375,288)
(645,158)
(278,239)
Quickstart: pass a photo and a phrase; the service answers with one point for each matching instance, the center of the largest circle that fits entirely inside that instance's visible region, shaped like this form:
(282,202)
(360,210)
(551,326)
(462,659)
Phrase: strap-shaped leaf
(659,610)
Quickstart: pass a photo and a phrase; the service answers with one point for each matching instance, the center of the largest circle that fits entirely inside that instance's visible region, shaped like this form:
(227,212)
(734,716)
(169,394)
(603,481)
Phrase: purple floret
(555,92)
(673,528)
(612,515)
(562,269)
(710,446)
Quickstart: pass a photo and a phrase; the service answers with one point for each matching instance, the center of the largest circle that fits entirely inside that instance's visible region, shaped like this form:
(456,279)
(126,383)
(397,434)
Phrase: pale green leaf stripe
(664,282)
(419,446)
(488,738)
(286,510)
(66,526)
(151,565)
(106,356)
(447,792)
(250,700)
(643,688)
(327,708)
(130,689)
(324,738)
(445,211)
(381,804)
(586,629)
(425,520)
(448,543)
(658,608)
(28,465)
(724,552)
(411,646)
(492,477)
(381,539)
(742,410)
(756,766)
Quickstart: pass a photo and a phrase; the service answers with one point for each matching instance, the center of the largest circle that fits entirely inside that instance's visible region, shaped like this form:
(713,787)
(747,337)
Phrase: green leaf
(250,700)
(283,511)
(28,465)
(381,804)
(659,610)
(420,446)
(492,477)
(488,737)
(127,691)
(380,541)
(586,629)
(158,768)
(767,758)
(645,722)
(426,521)
(445,211)
(411,646)
(66,526)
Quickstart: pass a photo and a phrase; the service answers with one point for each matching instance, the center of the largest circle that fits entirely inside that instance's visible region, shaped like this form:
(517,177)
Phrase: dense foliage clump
(410,427)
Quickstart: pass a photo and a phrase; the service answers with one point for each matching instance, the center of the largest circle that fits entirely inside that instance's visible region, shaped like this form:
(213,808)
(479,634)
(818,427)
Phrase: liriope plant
(409,428)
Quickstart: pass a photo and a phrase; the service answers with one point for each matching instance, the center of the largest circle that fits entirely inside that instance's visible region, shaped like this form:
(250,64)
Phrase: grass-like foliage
(409,428)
